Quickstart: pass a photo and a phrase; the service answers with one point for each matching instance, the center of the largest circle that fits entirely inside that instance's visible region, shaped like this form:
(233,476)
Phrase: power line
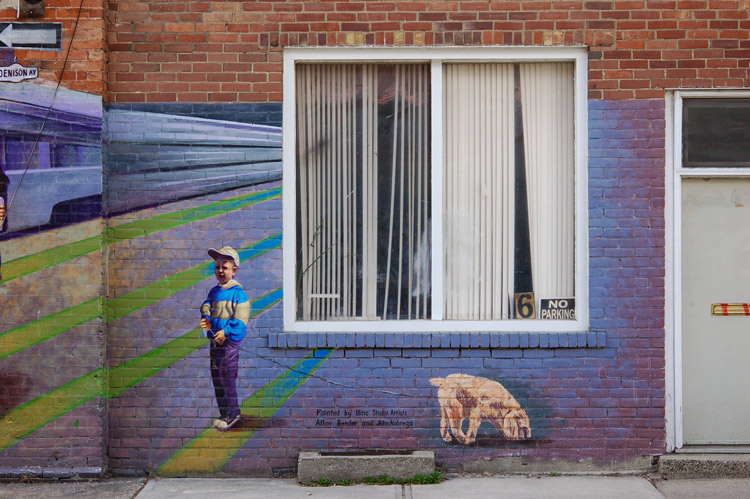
(326,380)
(49,109)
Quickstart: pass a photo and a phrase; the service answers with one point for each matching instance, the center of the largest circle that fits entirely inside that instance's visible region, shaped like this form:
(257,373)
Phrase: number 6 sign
(525,306)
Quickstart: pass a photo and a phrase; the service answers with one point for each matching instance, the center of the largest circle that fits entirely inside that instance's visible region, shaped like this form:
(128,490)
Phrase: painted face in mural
(225,271)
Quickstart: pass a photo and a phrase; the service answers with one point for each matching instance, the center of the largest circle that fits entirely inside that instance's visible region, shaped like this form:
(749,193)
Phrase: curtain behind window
(486,107)
(363,192)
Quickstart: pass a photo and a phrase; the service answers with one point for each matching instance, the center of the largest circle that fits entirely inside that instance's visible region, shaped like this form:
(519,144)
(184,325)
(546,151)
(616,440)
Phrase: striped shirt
(228,308)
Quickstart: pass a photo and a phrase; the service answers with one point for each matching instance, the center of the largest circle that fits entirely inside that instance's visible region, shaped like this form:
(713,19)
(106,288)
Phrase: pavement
(455,486)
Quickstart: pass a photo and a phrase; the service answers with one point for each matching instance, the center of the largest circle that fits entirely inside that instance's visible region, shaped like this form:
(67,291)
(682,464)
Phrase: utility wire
(326,380)
(49,108)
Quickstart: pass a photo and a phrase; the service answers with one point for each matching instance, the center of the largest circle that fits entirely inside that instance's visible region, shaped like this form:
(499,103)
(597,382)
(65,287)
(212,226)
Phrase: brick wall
(597,406)
(52,383)
(83,23)
(231,51)
(210,59)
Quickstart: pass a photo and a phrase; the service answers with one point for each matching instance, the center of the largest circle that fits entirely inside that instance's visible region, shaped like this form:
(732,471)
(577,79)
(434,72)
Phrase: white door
(716,348)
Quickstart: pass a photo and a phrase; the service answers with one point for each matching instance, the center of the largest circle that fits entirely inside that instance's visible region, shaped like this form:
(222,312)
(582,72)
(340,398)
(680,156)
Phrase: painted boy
(224,315)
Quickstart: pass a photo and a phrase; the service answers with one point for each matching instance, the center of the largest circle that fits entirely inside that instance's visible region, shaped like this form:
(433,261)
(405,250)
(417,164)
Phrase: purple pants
(225,361)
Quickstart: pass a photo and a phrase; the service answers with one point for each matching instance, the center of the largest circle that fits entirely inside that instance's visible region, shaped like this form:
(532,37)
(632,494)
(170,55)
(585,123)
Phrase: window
(716,133)
(432,190)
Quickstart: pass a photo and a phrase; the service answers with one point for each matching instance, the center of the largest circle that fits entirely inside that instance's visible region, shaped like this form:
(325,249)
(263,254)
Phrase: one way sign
(40,36)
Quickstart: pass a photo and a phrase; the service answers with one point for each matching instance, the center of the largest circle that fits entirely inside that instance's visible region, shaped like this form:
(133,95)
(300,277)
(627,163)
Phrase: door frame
(673,251)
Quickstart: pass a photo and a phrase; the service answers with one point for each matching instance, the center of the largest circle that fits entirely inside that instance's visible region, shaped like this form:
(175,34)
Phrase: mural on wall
(50,325)
(185,176)
(224,318)
(175,185)
(4,181)
(463,396)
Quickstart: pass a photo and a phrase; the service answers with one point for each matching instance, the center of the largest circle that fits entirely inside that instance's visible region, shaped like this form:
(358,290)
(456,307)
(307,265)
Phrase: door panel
(716,349)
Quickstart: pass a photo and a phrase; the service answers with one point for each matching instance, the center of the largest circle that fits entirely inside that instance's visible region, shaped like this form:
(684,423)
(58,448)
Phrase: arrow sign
(43,36)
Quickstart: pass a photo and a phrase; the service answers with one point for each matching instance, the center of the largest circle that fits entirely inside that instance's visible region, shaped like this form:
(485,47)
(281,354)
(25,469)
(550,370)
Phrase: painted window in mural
(370,192)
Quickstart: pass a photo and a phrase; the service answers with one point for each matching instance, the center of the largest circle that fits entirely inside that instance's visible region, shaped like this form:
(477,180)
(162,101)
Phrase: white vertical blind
(548,117)
(479,183)
(329,283)
(363,141)
(478,190)
(369,213)
(364,189)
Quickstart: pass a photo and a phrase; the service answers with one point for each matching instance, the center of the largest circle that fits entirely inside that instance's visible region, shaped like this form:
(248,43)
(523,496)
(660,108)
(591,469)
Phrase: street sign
(16,72)
(39,36)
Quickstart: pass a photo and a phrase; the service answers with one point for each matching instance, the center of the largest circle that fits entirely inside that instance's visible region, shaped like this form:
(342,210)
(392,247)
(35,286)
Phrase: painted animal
(464,396)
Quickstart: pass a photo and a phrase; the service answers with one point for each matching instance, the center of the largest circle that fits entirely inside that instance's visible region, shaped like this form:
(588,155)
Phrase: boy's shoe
(217,422)
(226,424)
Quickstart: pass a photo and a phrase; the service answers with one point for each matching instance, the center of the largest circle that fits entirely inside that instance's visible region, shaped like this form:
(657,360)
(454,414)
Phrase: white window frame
(436,57)
(675,174)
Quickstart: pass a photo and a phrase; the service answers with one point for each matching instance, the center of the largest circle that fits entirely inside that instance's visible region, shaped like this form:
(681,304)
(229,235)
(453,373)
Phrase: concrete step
(357,465)
(705,465)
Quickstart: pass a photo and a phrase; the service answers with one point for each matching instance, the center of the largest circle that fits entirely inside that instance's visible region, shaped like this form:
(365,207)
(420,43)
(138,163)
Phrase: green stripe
(48,258)
(19,267)
(212,449)
(48,327)
(139,298)
(45,328)
(29,417)
(134,371)
(168,220)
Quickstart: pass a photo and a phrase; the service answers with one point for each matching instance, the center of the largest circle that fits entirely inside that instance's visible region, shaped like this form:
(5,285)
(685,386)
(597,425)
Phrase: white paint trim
(433,326)
(677,266)
(428,54)
(289,187)
(582,192)
(713,172)
(673,220)
(725,93)
(670,409)
(436,75)
(437,56)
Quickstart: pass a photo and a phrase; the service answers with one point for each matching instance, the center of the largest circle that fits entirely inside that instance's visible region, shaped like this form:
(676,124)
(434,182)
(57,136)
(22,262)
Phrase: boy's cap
(225,252)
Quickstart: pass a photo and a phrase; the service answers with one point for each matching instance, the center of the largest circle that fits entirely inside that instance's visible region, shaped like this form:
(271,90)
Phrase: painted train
(52,152)
(153,158)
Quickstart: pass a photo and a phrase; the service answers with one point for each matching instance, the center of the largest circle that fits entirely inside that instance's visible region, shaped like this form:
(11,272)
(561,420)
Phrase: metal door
(716,344)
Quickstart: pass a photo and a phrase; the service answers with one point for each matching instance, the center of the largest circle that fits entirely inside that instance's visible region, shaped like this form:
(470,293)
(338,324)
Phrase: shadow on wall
(13,389)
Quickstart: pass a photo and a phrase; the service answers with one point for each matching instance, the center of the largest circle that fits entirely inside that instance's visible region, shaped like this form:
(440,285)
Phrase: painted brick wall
(52,342)
(205,51)
(208,60)
(586,405)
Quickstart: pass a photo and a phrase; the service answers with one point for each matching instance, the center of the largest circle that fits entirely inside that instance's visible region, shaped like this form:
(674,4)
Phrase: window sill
(477,340)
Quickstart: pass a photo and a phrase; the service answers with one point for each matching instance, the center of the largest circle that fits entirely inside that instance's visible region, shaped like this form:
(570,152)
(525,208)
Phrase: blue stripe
(266,301)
